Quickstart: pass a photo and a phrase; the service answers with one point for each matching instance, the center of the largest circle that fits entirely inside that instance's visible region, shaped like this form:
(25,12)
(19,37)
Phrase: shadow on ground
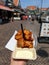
(42,53)
(4,22)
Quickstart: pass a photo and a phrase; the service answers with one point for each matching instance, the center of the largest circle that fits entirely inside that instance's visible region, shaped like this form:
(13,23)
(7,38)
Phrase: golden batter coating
(21,42)
(27,32)
(18,36)
(28,44)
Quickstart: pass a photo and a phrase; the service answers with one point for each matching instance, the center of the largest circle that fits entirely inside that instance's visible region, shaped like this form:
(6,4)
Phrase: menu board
(44,30)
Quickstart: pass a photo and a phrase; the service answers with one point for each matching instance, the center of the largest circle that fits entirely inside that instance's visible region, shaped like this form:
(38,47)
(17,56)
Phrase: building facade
(2,2)
(13,3)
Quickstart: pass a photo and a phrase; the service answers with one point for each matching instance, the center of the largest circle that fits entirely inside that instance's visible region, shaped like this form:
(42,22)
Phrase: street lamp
(41,3)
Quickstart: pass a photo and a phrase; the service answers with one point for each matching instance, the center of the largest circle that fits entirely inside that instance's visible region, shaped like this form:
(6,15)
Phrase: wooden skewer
(22,31)
(24,34)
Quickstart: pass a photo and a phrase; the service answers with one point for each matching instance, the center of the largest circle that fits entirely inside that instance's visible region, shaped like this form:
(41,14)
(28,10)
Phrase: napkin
(11,43)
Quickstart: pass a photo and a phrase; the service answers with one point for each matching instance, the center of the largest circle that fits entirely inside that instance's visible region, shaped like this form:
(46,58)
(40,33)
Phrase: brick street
(7,30)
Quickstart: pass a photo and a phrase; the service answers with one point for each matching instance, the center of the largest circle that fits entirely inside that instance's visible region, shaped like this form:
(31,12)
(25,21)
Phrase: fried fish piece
(27,32)
(20,43)
(29,37)
(18,36)
(28,44)
(24,44)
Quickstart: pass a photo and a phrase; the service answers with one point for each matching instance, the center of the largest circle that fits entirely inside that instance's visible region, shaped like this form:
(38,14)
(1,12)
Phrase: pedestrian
(29,17)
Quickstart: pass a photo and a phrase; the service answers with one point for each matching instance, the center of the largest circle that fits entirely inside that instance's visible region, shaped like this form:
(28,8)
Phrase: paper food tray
(24,53)
(19,53)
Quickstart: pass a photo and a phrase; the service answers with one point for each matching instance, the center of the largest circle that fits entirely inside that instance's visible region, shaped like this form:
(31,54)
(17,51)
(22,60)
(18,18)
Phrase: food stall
(5,12)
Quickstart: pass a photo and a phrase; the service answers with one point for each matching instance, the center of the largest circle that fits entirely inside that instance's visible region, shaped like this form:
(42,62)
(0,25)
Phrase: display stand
(44,33)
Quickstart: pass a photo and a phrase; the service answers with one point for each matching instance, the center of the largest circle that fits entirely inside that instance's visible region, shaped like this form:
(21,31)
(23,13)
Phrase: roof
(44,9)
(16,2)
(31,7)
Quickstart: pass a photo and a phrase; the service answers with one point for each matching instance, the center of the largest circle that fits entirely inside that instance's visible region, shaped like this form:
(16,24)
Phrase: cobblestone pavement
(7,30)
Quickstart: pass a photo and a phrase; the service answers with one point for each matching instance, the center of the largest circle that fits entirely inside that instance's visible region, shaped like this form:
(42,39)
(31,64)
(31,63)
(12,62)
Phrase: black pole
(41,11)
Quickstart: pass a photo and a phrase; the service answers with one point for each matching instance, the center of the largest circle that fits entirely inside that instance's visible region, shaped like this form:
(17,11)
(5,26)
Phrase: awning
(5,8)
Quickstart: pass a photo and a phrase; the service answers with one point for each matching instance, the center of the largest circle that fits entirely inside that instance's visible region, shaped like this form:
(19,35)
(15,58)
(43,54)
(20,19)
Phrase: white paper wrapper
(11,43)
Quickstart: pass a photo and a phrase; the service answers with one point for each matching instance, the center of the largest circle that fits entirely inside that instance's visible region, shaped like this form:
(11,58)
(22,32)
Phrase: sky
(25,3)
